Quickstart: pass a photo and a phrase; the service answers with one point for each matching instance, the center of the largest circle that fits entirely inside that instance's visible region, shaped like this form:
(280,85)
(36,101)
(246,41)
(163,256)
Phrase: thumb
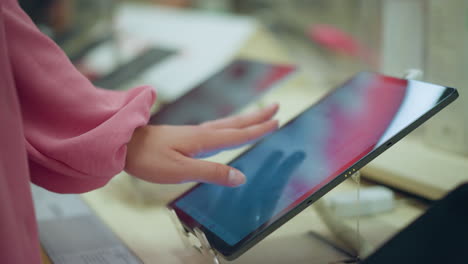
(211,172)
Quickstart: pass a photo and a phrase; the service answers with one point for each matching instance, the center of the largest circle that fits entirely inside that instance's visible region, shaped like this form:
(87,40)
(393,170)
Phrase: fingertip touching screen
(309,152)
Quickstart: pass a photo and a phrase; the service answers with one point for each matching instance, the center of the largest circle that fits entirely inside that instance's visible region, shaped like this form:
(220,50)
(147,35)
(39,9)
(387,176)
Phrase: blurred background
(212,58)
(174,45)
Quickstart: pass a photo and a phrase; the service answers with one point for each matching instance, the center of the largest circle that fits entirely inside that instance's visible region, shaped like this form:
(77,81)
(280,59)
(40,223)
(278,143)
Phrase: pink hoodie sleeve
(75,134)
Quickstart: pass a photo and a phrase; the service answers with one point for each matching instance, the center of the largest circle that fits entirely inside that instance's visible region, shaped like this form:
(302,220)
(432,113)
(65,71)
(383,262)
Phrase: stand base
(307,247)
(273,250)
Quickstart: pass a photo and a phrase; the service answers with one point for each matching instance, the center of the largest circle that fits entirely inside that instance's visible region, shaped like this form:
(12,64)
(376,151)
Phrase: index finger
(244,120)
(225,138)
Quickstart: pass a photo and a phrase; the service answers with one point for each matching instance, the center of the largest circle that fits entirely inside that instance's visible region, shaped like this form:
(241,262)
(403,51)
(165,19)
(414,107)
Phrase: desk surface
(135,210)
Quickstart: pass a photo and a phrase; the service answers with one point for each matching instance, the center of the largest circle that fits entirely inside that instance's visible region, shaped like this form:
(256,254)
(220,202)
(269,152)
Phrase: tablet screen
(322,143)
(240,83)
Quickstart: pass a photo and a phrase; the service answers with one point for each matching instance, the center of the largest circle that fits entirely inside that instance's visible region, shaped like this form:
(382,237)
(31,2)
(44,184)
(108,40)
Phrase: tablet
(300,162)
(236,85)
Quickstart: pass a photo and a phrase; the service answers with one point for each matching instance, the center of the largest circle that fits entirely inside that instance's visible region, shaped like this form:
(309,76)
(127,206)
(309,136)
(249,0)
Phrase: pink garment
(56,129)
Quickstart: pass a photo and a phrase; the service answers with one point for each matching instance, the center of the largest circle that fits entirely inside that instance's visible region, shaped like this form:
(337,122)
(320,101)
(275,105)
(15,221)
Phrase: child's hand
(164,154)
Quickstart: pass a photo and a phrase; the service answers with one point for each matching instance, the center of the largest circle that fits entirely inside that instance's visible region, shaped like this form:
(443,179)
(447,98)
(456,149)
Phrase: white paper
(49,205)
(72,234)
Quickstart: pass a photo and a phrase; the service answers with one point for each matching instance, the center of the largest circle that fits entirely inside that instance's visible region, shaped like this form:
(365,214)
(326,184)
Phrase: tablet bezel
(232,252)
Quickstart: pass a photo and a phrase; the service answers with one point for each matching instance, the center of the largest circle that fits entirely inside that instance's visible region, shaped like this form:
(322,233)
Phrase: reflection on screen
(323,142)
(238,84)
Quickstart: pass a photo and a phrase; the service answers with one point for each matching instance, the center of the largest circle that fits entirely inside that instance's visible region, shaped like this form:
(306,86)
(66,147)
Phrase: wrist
(134,147)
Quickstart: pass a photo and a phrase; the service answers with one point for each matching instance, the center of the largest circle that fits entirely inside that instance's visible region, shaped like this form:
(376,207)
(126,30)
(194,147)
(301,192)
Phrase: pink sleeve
(75,134)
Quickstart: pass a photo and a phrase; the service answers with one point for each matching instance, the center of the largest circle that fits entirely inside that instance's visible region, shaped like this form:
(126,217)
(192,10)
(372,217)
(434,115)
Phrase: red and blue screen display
(310,151)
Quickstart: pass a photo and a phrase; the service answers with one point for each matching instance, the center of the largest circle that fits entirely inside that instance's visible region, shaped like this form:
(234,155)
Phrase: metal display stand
(199,243)
(413,74)
(352,239)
